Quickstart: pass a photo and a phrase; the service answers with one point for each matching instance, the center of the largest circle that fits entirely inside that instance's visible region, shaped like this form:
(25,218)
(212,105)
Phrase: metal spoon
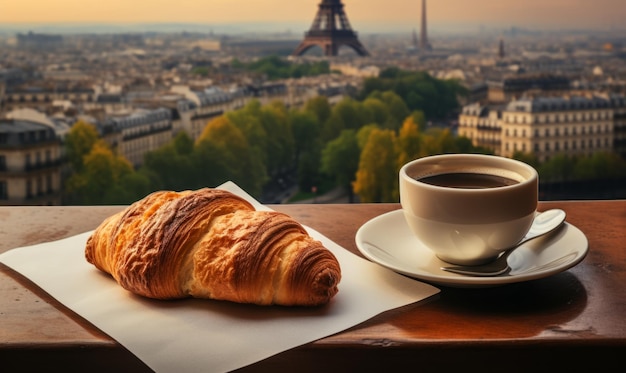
(544,223)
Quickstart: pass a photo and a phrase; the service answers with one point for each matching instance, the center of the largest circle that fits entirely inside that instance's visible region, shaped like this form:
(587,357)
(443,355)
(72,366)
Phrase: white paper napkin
(203,335)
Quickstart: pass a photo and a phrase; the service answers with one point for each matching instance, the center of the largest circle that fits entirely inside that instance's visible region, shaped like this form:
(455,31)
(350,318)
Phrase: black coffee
(467,180)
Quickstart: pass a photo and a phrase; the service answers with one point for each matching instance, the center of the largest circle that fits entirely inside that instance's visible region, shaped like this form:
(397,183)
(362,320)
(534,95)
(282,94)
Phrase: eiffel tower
(330,30)
(424,44)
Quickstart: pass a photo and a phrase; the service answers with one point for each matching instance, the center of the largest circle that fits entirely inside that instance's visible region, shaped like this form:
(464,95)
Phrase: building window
(49,183)
(29,189)
(4,193)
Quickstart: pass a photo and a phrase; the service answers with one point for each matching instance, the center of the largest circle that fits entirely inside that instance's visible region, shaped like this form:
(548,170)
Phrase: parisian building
(132,136)
(547,126)
(514,87)
(200,106)
(30,163)
(40,96)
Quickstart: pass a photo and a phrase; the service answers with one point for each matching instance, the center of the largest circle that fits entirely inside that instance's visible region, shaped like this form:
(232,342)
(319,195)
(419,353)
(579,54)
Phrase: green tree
(439,141)
(173,163)
(248,121)
(560,168)
(183,143)
(377,176)
(419,118)
(409,141)
(320,107)
(244,166)
(528,158)
(379,113)
(305,130)
(415,100)
(600,166)
(309,170)
(418,90)
(363,134)
(268,132)
(280,144)
(464,145)
(306,126)
(78,143)
(396,108)
(129,188)
(211,167)
(346,114)
(102,171)
(276,67)
(340,159)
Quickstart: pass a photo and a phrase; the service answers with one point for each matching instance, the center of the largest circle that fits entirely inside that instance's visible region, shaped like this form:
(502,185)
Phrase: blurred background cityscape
(316,100)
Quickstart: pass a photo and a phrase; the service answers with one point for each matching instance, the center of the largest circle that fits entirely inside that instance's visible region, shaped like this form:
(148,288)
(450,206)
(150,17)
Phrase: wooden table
(573,321)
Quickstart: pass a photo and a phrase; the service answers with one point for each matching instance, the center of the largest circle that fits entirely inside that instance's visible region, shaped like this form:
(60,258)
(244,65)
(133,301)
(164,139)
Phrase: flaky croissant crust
(211,243)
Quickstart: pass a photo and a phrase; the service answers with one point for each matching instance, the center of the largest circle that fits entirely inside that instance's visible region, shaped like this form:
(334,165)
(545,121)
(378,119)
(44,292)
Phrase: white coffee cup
(470,223)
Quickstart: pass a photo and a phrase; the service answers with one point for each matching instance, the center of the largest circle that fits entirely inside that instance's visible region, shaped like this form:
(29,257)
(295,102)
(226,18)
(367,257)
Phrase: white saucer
(388,241)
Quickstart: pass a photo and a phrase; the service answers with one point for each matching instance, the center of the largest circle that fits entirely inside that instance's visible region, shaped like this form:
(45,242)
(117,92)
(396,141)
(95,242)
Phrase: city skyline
(366,15)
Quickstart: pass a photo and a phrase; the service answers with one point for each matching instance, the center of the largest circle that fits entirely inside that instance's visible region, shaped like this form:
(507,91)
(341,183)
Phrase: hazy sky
(521,13)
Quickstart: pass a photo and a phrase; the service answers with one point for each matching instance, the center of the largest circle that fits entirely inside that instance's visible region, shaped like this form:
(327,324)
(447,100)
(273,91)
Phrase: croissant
(213,244)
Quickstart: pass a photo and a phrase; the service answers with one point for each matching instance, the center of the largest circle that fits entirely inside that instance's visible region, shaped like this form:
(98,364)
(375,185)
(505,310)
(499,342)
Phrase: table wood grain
(572,321)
